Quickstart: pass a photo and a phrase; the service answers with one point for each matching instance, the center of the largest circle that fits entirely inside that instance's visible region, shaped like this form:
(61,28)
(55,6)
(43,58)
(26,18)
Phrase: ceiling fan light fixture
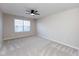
(32,14)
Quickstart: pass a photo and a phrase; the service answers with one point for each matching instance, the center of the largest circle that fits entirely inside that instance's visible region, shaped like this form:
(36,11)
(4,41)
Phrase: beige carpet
(35,46)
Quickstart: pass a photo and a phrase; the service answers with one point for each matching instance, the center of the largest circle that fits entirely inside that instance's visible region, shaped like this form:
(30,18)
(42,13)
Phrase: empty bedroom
(39,29)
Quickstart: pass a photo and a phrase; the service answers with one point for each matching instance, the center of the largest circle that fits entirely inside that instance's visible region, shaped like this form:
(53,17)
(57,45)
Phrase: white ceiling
(44,9)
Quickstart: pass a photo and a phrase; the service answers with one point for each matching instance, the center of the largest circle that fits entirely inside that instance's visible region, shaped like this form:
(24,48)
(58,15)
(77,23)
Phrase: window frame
(23,26)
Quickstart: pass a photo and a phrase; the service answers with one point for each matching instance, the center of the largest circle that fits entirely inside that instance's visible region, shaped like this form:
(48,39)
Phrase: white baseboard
(59,42)
(66,44)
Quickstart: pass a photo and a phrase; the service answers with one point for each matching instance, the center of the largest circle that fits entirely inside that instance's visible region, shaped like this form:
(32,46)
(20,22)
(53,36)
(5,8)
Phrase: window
(22,25)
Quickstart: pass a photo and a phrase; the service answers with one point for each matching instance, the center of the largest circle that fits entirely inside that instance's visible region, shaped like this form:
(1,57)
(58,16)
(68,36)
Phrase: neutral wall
(61,27)
(8,27)
(1,32)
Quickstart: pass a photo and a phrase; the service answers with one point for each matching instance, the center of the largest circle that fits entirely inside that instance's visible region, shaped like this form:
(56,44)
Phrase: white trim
(60,42)
(66,44)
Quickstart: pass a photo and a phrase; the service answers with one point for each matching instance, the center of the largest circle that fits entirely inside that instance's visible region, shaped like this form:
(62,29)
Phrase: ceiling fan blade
(37,14)
(36,11)
(27,13)
(28,10)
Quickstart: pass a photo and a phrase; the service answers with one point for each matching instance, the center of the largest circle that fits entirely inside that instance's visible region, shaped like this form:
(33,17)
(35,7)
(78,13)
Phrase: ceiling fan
(32,12)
